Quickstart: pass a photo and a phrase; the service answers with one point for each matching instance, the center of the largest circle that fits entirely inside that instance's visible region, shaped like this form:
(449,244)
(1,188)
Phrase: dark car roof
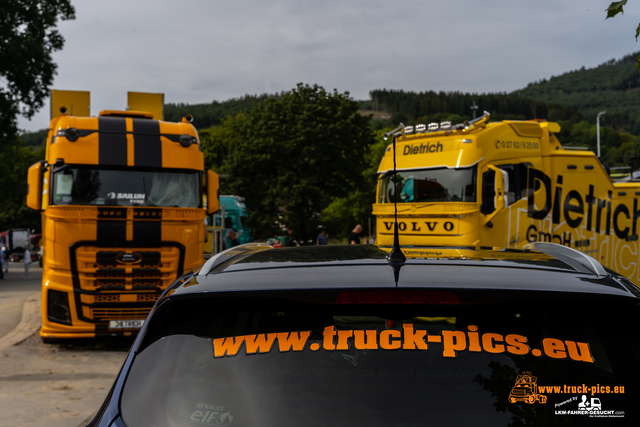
(259,268)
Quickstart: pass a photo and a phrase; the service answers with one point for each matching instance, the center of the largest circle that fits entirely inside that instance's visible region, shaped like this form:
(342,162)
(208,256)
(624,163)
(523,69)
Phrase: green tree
(28,37)
(344,212)
(215,146)
(617,7)
(291,155)
(15,160)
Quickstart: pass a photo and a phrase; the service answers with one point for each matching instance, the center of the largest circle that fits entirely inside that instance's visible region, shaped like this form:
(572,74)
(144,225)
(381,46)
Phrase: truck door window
(488,192)
(515,190)
(63,184)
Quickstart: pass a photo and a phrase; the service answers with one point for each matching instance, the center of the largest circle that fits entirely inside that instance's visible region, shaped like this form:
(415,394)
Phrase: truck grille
(117,297)
(99,270)
(122,283)
(119,313)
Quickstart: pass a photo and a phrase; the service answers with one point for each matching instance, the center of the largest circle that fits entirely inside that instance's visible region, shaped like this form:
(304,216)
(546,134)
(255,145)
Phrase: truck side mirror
(213,192)
(34,186)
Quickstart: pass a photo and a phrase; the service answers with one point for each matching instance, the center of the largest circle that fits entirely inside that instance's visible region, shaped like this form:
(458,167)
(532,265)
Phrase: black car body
(336,336)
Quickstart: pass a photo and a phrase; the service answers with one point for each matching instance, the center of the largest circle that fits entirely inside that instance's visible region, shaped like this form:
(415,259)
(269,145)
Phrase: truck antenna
(396,258)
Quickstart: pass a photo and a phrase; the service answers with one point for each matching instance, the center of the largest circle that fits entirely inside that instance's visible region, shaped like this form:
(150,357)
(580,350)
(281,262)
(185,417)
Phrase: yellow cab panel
(123,217)
(505,184)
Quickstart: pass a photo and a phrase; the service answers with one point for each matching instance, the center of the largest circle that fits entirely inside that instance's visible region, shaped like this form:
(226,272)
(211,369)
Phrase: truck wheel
(531,399)
(542,399)
(512,399)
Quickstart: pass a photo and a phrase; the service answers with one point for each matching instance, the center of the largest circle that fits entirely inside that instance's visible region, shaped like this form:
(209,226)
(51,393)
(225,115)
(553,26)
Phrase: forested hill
(613,86)
(207,115)
(422,107)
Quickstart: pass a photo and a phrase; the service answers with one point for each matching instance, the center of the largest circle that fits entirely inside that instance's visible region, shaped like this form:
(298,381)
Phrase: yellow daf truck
(506,184)
(122,197)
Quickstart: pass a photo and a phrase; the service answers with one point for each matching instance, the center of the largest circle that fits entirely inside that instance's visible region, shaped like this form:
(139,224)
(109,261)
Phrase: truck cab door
(497,194)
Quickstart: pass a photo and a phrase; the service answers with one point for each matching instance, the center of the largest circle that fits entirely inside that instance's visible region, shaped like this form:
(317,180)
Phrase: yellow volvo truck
(122,197)
(506,184)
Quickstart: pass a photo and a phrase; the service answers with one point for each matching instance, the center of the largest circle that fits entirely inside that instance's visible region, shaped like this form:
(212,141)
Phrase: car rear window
(257,362)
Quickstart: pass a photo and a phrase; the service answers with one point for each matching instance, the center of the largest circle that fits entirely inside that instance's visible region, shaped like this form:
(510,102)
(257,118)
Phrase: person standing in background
(2,263)
(322,238)
(233,239)
(27,262)
(353,236)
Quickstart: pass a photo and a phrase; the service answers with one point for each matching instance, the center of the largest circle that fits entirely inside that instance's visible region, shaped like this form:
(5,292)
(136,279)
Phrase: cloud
(198,51)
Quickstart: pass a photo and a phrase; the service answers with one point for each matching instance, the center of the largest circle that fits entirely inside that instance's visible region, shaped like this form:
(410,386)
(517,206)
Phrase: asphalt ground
(51,385)
(14,290)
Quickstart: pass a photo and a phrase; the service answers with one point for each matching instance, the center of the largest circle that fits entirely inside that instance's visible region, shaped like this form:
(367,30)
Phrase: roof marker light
(408,129)
(445,125)
(421,128)
(433,126)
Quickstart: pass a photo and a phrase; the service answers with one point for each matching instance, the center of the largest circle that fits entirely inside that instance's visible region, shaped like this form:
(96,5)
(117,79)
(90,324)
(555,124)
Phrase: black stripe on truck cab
(147,231)
(112,145)
(147,148)
(109,229)
(150,228)
(147,213)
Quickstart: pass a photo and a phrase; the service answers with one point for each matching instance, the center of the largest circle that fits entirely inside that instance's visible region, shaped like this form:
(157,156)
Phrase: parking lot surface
(49,384)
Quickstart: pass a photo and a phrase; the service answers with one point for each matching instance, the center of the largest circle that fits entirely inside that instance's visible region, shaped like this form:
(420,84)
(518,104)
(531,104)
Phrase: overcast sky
(197,51)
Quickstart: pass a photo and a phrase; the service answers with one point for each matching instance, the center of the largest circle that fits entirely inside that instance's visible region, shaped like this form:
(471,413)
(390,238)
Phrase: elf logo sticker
(211,415)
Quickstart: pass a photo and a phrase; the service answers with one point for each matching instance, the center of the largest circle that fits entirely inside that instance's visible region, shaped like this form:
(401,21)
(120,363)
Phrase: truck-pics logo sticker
(526,390)
(407,338)
(584,400)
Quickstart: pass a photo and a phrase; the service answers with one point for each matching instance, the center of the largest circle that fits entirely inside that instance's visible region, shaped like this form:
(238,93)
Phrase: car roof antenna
(396,258)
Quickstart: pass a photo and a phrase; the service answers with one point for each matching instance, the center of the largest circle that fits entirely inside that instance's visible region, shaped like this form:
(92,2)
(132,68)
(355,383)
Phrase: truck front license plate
(126,324)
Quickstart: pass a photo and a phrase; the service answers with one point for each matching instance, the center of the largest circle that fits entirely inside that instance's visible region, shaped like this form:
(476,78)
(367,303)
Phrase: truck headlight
(58,307)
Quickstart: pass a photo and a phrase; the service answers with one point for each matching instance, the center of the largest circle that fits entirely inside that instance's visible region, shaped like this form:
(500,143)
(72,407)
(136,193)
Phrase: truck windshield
(80,185)
(430,185)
